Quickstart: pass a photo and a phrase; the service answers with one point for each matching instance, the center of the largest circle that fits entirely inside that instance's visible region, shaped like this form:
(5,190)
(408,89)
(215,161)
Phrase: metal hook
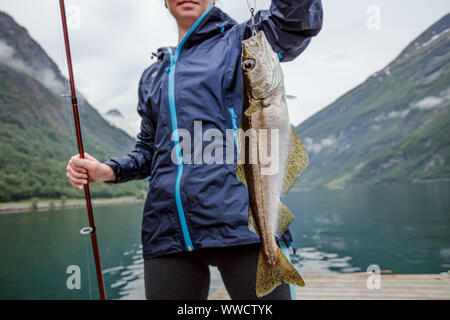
(252,11)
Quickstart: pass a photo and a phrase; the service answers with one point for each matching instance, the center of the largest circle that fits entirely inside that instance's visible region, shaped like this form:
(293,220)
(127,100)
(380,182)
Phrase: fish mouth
(254,39)
(260,97)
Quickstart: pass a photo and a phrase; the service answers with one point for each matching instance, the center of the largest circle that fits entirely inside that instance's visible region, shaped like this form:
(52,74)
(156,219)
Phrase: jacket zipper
(234,123)
(173,118)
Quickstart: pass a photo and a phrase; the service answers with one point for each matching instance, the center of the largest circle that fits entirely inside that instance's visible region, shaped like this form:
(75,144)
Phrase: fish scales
(267,146)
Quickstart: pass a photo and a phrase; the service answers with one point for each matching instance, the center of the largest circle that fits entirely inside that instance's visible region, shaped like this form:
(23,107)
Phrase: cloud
(424,104)
(6,52)
(435,37)
(428,103)
(392,161)
(116,39)
(398,114)
(339,56)
(45,76)
(317,147)
(122,123)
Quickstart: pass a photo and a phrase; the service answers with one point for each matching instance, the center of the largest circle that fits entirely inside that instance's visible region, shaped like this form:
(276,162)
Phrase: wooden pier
(354,287)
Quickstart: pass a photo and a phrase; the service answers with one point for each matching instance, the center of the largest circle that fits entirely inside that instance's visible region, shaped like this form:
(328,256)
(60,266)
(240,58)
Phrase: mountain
(116,118)
(393,128)
(36,125)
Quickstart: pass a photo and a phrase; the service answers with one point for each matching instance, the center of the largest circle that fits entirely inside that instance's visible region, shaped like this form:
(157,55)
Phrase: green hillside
(393,128)
(36,126)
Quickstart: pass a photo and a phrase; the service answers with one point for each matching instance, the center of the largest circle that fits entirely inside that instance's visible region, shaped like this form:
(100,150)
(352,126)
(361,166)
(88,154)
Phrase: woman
(196,213)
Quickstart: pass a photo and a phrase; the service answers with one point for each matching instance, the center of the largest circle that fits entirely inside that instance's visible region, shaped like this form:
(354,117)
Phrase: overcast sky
(113,45)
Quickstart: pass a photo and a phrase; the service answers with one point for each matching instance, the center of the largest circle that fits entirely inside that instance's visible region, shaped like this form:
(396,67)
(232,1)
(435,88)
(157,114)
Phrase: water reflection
(127,281)
(402,228)
(313,262)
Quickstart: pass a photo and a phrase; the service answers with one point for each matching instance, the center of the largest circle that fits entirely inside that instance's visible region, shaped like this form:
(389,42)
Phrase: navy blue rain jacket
(191,206)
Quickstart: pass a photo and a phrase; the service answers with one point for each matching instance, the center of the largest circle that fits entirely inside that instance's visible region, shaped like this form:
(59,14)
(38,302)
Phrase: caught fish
(265,122)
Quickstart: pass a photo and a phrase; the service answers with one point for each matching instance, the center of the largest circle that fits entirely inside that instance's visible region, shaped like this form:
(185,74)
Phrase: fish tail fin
(268,278)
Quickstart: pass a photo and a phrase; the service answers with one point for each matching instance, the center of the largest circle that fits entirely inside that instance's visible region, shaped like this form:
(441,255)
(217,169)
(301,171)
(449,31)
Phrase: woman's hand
(88,170)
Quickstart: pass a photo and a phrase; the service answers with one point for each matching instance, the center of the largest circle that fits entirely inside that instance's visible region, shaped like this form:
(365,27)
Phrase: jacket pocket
(201,181)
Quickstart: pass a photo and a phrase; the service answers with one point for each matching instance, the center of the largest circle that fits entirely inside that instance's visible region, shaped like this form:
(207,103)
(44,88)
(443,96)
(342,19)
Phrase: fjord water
(402,228)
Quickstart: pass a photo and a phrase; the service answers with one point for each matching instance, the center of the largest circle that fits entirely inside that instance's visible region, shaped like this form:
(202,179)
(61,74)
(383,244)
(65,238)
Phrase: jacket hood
(216,21)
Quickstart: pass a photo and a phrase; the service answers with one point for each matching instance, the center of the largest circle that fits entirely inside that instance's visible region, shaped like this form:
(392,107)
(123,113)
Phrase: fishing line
(66,93)
(87,194)
(252,8)
(87,252)
(68,121)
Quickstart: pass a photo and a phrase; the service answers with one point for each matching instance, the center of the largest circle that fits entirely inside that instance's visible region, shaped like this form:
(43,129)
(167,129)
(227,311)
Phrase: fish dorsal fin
(296,162)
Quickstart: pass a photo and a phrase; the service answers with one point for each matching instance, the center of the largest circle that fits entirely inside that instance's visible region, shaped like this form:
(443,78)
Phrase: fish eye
(248,64)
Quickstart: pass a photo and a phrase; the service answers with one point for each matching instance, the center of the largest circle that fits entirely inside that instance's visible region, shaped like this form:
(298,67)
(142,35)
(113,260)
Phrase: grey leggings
(185,276)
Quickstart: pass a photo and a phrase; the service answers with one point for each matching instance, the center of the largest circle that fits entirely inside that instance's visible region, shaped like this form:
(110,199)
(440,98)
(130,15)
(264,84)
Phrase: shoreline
(53,204)
(414,181)
(57,204)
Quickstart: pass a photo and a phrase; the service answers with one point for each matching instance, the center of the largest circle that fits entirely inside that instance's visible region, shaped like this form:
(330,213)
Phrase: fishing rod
(91,229)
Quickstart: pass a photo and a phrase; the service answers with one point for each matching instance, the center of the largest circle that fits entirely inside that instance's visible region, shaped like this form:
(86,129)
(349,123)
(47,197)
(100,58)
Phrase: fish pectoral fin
(252,110)
(296,162)
(291,97)
(251,222)
(254,107)
(267,278)
(285,219)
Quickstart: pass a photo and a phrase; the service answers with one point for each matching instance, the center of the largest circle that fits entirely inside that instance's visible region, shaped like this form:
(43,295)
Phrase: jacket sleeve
(136,165)
(288,25)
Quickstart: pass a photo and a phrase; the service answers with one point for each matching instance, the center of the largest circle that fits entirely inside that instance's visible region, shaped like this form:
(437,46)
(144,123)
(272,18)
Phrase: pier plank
(354,287)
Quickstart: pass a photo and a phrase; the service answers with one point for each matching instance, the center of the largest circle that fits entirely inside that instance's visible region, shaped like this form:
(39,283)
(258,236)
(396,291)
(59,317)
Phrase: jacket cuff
(116,170)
